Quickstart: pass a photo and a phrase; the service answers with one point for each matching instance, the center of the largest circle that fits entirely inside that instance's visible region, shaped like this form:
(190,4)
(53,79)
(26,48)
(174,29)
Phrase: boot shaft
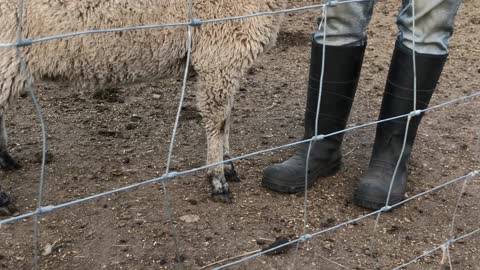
(384,181)
(399,92)
(341,72)
(340,79)
(399,98)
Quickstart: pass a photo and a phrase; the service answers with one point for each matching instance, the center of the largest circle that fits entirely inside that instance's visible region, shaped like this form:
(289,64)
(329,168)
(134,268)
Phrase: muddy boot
(342,70)
(372,190)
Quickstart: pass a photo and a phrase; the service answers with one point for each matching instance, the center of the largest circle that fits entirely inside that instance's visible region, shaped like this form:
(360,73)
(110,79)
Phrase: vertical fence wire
(168,208)
(172,175)
(440,247)
(167,204)
(27,84)
(351,221)
(451,235)
(445,248)
(457,205)
(414,56)
(387,202)
(323,23)
(414,113)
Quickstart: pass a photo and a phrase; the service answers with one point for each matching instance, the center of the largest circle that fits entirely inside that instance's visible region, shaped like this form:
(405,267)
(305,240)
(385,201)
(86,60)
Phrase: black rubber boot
(341,74)
(372,190)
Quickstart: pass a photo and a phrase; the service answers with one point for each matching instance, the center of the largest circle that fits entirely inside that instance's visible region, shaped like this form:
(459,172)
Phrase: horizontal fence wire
(440,247)
(171,175)
(193,22)
(309,236)
(29,89)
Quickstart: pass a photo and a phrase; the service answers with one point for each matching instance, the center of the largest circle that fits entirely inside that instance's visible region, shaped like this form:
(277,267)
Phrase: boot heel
(333,169)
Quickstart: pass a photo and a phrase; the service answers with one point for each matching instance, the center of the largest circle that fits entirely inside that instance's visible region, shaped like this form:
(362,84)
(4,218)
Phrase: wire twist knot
(386,208)
(45,209)
(196,22)
(24,42)
(332,3)
(415,113)
(318,137)
(170,175)
(305,237)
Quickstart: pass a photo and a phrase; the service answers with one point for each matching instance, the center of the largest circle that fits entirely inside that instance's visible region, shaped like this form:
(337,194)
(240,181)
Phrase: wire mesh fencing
(23,41)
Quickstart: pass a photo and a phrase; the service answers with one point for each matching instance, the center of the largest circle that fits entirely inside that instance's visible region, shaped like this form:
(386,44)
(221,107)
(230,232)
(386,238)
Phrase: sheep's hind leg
(216,175)
(213,104)
(230,172)
(6,161)
(229,168)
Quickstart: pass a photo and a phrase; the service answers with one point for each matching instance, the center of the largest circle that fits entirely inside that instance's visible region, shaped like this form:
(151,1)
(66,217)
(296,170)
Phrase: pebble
(131,126)
(47,250)
(189,218)
(328,246)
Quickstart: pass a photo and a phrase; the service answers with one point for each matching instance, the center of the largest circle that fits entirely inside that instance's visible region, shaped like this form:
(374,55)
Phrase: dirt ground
(109,139)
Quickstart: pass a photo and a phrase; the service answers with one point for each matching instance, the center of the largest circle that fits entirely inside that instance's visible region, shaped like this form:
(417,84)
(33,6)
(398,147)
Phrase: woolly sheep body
(221,54)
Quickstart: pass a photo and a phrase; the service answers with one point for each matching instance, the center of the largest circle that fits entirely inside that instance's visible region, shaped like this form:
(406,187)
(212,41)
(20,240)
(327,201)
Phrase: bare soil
(103,140)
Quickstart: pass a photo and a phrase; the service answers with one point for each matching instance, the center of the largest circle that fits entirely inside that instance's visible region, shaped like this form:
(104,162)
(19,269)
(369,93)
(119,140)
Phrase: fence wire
(409,118)
(169,175)
(29,89)
(166,201)
(440,247)
(310,236)
(193,22)
(323,23)
(173,175)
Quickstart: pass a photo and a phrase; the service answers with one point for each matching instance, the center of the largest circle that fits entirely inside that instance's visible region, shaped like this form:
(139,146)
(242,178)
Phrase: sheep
(221,54)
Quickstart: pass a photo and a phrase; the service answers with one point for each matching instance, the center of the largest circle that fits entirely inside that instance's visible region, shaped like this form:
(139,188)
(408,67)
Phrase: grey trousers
(347,24)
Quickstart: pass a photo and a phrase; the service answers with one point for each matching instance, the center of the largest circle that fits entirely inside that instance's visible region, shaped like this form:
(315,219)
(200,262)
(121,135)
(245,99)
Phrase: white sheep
(221,54)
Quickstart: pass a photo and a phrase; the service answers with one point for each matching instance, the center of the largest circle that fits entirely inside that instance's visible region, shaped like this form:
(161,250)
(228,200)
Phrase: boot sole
(272,185)
(368,203)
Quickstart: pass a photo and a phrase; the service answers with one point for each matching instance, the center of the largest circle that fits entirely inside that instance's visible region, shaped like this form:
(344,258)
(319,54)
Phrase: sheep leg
(213,99)
(229,168)
(6,161)
(216,175)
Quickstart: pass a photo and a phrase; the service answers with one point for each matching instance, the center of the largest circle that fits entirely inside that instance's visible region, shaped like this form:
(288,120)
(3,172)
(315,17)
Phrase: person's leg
(346,24)
(434,26)
(345,44)
(434,21)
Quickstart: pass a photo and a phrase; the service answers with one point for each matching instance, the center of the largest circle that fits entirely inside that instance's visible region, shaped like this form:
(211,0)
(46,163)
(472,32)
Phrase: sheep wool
(221,54)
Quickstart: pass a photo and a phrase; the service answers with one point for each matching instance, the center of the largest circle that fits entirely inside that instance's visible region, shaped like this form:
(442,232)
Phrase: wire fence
(171,175)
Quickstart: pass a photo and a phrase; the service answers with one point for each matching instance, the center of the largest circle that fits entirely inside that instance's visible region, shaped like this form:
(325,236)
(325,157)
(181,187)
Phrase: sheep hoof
(222,198)
(23,94)
(7,162)
(7,208)
(5,212)
(232,176)
(230,173)
(4,199)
